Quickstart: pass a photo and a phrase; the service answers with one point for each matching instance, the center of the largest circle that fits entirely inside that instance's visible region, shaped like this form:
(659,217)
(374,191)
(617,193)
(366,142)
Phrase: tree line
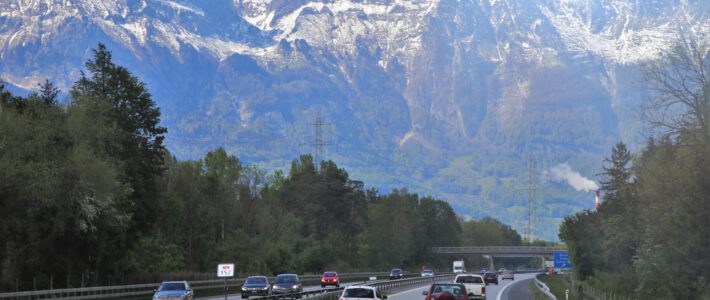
(650,237)
(90,196)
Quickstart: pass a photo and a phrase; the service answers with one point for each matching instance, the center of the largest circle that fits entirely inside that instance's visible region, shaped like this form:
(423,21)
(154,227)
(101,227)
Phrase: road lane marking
(500,293)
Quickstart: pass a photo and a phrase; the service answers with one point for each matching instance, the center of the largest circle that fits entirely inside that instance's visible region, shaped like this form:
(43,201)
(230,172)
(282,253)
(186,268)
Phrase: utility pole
(318,141)
(531,196)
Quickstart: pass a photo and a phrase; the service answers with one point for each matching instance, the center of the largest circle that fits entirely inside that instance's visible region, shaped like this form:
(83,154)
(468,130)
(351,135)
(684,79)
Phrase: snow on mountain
(460,83)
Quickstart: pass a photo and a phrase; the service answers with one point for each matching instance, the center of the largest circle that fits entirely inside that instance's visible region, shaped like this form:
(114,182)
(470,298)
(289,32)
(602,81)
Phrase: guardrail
(543,288)
(140,290)
(383,285)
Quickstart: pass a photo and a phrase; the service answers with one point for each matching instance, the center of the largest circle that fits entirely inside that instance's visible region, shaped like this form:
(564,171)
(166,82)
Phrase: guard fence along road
(146,290)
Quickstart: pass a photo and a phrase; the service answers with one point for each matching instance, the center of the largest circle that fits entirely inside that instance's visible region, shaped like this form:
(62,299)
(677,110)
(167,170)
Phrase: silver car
(508,275)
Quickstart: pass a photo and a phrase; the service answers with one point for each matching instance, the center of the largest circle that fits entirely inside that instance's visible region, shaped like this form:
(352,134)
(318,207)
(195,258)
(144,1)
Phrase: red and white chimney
(596,200)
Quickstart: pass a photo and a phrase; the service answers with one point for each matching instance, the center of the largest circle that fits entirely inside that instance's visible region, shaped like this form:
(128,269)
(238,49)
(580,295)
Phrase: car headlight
(265,288)
(295,286)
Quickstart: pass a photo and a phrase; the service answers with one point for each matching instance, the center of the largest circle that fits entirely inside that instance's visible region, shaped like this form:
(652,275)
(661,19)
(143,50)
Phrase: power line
(318,140)
(531,196)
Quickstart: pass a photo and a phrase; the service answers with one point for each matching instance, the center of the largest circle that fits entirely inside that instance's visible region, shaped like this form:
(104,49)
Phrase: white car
(474,283)
(364,292)
(427,272)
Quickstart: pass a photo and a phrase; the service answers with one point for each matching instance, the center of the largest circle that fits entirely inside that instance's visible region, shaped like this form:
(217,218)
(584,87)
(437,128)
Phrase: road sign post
(225,271)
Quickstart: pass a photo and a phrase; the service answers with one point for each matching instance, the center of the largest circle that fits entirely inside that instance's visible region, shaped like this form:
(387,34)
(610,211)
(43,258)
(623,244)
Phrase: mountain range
(472,101)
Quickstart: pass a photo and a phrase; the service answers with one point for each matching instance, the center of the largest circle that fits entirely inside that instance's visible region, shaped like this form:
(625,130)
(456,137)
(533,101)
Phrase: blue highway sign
(561,259)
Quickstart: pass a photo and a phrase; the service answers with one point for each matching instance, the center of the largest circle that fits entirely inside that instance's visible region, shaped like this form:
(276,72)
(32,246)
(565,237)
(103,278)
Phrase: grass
(537,293)
(557,286)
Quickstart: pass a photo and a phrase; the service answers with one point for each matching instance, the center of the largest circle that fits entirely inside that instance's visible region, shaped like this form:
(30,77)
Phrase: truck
(459,267)
(475,285)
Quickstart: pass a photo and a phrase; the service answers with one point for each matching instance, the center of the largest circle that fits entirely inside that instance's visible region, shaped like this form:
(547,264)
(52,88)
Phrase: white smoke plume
(565,173)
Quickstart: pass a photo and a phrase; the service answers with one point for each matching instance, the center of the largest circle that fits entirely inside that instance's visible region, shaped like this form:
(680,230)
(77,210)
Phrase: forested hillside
(90,196)
(650,237)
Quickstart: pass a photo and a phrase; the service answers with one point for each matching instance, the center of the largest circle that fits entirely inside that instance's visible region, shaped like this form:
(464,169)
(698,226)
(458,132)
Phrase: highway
(238,296)
(512,290)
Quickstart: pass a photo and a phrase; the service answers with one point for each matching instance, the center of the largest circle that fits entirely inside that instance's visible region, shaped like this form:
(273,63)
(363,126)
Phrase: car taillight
(483,290)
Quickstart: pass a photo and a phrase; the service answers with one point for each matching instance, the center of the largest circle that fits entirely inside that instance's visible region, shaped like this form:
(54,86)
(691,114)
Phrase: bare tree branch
(681,91)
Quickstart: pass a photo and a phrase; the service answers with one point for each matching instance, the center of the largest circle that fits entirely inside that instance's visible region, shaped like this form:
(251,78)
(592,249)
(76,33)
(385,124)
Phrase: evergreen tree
(138,148)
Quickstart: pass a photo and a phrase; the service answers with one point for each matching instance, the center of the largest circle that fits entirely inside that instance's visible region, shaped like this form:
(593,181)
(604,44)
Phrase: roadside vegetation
(558,286)
(90,196)
(649,238)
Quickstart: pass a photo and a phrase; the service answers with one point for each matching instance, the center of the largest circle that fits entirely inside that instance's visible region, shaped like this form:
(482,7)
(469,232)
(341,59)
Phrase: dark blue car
(286,284)
(255,286)
(174,290)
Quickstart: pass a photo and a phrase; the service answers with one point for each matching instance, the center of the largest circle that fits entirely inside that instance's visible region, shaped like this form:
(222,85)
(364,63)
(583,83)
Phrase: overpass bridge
(500,251)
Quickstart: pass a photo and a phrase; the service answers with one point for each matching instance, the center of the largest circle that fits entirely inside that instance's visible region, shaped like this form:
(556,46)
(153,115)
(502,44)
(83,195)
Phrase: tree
(680,82)
(619,212)
(583,236)
(138,147)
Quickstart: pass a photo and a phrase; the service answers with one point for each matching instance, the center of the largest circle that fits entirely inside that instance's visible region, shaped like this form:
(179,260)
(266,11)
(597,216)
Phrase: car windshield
(286,279)
(172,286)
(455,290)
(358,293)
(428,271)
(469,279)
(396,271)
(329,274)
(256,280)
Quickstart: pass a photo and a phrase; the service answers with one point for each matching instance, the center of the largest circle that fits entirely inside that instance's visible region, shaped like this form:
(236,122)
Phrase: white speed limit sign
(225,270)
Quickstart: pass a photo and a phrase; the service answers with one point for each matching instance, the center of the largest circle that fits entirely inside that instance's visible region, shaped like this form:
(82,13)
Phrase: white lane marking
(500,293)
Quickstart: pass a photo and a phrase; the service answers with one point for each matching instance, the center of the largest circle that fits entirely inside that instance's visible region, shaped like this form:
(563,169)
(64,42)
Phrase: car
(501,271)
(285,284)
(330,278)
(508,275)
(396,274)
(490,277)
(174,290)
(474,283)
(427,272)
(455,289)
(255,286)
(355,292)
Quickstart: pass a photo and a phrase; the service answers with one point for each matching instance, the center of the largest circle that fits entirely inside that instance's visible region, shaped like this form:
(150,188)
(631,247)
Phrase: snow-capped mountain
(444,96)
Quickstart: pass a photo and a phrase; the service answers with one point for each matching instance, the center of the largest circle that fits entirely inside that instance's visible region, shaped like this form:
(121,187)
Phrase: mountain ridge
(447,97)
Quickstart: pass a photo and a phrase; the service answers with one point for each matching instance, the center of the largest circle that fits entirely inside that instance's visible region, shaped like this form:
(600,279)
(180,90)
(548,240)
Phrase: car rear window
(172,286)
(455,290)
(330,274)
(256,280)
(358,293)
(286,279)
(469,279)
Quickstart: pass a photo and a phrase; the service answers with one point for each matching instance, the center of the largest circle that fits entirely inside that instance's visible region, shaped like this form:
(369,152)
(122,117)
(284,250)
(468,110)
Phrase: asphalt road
(305,289)
(511,290)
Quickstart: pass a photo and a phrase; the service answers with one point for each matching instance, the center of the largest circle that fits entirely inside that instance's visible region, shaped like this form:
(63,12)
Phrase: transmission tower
(531,196)
(318,141)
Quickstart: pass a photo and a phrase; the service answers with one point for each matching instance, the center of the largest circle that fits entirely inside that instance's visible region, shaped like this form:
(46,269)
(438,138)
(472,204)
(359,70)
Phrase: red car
(330,278)
(455,289)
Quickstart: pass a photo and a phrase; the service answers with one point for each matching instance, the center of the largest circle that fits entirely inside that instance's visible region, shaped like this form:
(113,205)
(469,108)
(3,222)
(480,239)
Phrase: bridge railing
(499,249)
